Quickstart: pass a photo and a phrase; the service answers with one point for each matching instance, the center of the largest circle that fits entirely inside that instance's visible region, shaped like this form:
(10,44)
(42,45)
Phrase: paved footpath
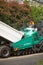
(22,60)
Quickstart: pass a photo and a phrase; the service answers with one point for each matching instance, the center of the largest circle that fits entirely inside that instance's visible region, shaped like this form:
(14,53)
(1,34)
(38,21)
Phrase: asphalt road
(22,60)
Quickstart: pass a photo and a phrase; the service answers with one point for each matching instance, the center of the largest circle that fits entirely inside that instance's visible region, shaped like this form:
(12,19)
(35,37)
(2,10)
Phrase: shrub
(15,14)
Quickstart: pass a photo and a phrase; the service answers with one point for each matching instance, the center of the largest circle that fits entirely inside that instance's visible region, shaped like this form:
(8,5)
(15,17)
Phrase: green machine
(31,42)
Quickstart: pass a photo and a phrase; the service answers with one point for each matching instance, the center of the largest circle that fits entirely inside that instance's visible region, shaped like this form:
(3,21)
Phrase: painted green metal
(31,38)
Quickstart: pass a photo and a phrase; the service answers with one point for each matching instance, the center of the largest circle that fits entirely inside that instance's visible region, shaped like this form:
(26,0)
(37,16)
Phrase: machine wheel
(23,52)
(27,51)
(40,47)
(4,51)
(37,48)
(34,48)
(18,53)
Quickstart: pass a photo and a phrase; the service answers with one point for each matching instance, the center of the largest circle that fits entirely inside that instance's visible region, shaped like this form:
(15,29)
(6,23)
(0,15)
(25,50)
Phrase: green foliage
(26,1)
(15,14)
(18,15)
(37,13)
(40,62)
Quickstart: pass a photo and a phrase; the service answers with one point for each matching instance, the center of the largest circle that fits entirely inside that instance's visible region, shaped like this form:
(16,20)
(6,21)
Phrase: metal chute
(10,33)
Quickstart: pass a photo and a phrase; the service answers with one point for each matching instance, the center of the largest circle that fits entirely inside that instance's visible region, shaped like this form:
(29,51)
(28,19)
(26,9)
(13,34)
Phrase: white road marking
(20,57)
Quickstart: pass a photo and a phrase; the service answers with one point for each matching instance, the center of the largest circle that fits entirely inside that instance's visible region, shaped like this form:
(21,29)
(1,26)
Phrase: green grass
(40,62)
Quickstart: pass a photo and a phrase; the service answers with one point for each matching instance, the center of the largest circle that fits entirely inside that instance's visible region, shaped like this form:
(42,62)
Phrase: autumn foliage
(15,14)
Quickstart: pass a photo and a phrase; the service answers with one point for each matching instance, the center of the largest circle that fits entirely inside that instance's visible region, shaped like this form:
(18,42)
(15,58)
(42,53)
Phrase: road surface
(22,60)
